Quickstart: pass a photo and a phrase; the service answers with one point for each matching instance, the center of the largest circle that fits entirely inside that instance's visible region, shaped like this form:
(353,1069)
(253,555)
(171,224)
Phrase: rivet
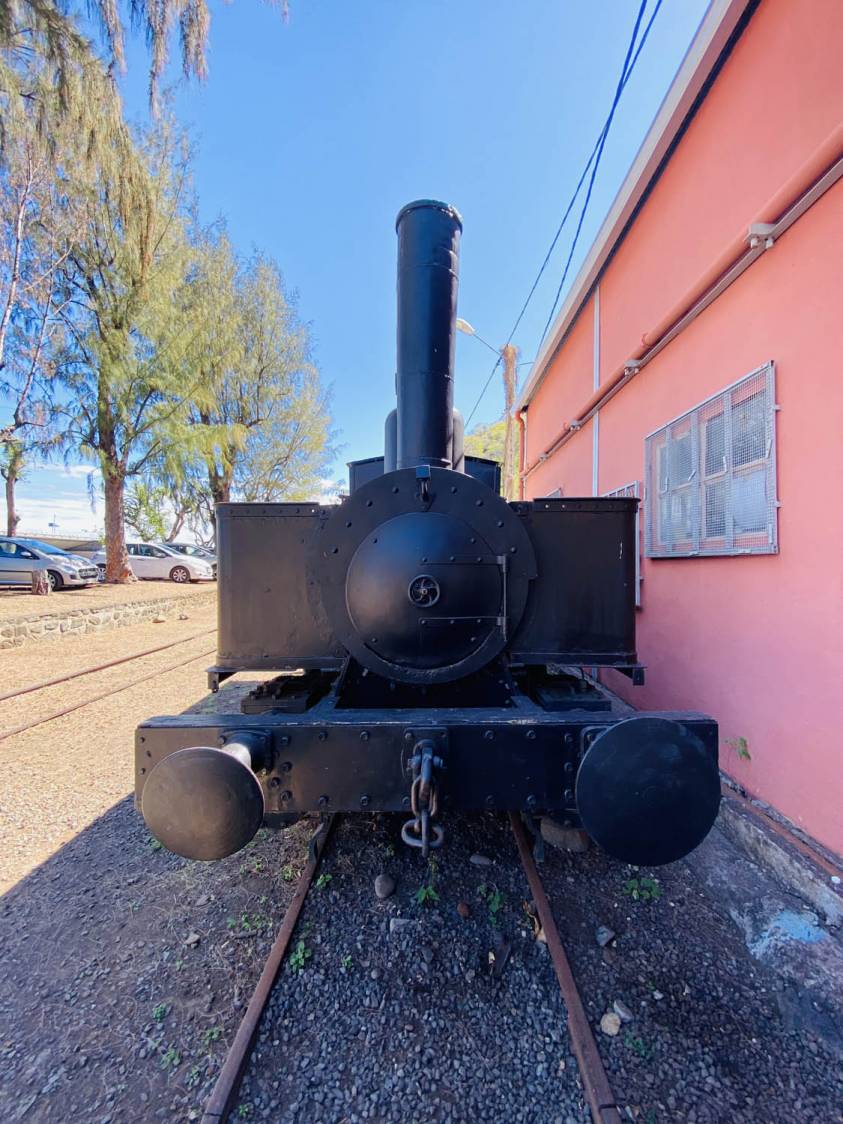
(286,795)
(513,550)
(531,802)
(489,735)
(369,503)
(287,767)
(408,736)
(405,802)
(365,800)
(143,739)
(322,735)
(364,735)
(569,766)
(472,540)
(348,524)
(395,490)
(569,794)
(274,782)
(531,735)
(335,550)
(490,801)
(149,753)
(500,523)
(324,801)
(478,503)
(142,770)
(569,739)
(453,489)
(284,739)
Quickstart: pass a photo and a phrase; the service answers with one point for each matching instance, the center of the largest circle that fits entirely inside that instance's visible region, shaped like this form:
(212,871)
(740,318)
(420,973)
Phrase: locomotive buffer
(429,639)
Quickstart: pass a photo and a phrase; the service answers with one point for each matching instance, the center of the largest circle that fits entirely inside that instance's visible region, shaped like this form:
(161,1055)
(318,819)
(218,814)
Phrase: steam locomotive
(429,640)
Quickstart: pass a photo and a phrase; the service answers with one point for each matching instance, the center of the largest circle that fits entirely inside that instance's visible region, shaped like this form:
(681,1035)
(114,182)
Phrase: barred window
(625,492)
(711,475)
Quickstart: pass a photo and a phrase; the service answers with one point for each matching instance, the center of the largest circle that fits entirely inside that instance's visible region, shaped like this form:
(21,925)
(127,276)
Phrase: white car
(19,557)
(149,560)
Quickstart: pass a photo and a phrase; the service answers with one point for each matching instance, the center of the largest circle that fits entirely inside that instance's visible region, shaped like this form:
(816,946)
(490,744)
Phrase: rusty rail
(102,695)
(102,666)
(221,1100)
(598,1092)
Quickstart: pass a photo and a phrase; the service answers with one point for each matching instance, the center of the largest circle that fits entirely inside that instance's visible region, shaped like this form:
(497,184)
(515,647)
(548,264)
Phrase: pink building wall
(757,641)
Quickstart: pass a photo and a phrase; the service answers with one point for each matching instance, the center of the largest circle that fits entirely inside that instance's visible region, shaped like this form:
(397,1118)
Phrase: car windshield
(45,548)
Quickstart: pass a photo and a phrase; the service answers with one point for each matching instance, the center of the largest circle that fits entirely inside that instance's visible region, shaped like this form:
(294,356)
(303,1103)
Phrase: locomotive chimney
(428,261)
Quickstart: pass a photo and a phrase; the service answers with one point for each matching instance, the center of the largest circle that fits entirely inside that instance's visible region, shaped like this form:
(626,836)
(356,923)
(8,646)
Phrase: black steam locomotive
(430,639)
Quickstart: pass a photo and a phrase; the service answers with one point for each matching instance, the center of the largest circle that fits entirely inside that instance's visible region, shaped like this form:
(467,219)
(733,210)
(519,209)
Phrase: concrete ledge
(15,632)
(791,867)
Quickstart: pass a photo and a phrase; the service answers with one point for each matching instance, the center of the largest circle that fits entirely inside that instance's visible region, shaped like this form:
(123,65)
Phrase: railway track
(222,1105)
(114,690)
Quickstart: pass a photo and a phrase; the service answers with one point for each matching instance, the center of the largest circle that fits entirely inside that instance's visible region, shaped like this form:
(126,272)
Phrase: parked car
(149,560)
(19,557)
(194,551)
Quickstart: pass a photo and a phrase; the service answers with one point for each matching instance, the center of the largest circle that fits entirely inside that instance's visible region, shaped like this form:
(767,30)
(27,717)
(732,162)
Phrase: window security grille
(632,490)
(711,475)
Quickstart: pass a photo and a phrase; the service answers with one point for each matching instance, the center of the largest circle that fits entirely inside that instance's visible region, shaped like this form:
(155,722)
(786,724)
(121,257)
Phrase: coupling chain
(424,801)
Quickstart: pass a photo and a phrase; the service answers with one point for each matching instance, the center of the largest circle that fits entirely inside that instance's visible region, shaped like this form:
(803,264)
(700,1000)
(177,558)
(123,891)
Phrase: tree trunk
(117,568)
(12,517)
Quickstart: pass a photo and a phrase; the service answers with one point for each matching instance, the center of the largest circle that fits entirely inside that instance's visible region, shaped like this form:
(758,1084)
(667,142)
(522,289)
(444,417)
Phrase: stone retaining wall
(29,629)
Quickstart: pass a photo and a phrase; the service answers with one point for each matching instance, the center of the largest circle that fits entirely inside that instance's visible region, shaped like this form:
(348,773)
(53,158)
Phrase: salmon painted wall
(755,641)
(570,382)
(779,95)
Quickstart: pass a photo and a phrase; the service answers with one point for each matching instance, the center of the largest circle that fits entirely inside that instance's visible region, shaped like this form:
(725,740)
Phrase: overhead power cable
(626,73)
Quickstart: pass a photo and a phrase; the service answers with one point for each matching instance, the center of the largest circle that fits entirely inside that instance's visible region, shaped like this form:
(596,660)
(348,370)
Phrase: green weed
(159,1012)
(323,881)
(740,747)
(171,1059)
(643,889)
(427,893)
(494,899)
(299,957)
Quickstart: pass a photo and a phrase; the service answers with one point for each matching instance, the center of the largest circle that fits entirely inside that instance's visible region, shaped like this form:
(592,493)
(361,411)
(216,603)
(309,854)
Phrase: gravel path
(395,1014)
(59,777)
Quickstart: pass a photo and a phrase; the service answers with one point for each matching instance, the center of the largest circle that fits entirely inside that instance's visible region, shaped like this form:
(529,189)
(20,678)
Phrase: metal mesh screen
(625,492)
(711,475)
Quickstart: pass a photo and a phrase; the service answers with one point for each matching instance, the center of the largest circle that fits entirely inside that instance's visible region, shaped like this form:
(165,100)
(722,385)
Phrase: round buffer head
(202,803)
(648,791)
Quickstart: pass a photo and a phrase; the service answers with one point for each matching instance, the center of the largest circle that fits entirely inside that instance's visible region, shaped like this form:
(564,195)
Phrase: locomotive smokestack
(428,262)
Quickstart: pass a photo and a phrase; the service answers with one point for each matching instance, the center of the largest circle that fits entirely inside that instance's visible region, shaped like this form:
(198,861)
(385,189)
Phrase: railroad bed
(127,970)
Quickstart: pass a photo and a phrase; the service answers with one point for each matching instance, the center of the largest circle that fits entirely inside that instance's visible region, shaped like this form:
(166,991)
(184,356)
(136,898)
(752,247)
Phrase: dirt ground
(125,968)
(22,603)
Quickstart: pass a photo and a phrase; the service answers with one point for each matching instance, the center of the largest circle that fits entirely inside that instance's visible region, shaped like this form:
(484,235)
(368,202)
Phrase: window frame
(697,542)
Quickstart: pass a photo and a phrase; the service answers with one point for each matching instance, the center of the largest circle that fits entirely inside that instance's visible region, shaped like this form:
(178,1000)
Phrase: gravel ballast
(396,1010)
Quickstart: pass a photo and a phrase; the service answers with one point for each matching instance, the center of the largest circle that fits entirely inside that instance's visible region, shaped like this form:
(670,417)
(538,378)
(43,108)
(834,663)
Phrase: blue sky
(312,134)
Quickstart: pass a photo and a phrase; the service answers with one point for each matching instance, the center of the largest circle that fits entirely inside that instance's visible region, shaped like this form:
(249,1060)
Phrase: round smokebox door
(424,591)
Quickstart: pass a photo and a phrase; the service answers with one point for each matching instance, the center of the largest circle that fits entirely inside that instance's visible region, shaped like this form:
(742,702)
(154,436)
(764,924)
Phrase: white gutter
(712,36)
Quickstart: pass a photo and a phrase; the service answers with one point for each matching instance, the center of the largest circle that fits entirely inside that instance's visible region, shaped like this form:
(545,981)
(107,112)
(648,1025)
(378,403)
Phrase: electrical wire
(602,144)
(626,73)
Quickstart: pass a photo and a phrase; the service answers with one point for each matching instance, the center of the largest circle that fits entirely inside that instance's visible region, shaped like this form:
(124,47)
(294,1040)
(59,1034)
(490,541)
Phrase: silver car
(194,551)
(19,557)
(149,560)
